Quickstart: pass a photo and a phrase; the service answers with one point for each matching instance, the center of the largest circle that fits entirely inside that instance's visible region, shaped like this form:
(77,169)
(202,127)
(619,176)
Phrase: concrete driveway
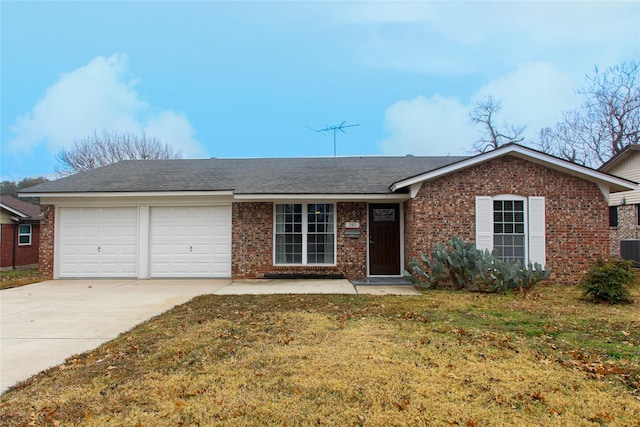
(43,324)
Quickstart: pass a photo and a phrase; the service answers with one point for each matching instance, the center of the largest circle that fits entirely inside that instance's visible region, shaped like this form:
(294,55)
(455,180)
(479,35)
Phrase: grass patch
(15,278)
(444,358)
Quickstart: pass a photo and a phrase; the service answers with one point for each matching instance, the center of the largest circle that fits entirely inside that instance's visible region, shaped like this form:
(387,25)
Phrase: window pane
(384,215)
(518,240)
(24,229)
(288,233)
(509,229)
(518,252)
(613,216)
(320,235)
(24,240)
(508,217)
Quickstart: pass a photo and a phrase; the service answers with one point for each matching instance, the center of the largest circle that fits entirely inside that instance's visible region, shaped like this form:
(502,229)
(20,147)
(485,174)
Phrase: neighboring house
(624,207)
(20,233)
(351,216)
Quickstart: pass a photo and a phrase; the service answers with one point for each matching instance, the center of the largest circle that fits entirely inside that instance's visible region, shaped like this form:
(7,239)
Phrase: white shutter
(537,238)
(484,222)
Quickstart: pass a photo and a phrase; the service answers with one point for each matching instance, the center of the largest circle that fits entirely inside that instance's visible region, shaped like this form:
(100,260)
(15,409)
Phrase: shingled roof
(26,209)
(326,175)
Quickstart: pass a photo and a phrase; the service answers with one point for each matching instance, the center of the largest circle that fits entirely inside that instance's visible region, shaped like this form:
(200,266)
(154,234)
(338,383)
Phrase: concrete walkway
(43,324)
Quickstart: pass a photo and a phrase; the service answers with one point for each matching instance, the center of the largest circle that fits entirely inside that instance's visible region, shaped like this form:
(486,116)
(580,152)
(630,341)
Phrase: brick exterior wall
(577,227)
(47,232)
(627,228)
(25,255)
(252,243)
(6,245)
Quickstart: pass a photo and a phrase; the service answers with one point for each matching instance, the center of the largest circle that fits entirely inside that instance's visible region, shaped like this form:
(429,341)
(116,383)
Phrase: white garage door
(98,242)
(190,242)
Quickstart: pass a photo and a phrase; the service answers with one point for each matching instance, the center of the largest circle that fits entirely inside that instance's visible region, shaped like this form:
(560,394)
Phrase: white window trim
(535,224)
(30,234)
(305,233)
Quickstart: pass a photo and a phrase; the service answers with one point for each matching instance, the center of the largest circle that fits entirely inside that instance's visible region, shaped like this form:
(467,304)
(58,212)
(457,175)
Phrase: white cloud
(454,37)
(175,129)
(421,126)
(99,96)
(535,94)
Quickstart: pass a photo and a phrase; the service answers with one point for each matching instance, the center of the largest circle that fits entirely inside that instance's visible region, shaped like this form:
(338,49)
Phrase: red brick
(252,243)
(576,214)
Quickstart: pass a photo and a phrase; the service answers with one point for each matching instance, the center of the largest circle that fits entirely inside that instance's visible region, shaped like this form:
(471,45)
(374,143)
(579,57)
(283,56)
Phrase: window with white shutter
(513,225)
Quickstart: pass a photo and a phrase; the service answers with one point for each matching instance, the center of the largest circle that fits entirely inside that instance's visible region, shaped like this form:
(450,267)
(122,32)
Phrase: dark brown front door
(384,239)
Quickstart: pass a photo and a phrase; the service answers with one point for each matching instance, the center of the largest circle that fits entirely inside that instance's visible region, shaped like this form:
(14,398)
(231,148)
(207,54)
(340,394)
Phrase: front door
(384,239)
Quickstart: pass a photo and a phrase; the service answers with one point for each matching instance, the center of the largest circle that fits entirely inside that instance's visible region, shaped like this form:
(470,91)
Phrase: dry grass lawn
(444,358)
(15,278)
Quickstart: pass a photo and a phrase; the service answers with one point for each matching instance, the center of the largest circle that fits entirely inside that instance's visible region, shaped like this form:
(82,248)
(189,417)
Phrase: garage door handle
(190,248)
(98,249)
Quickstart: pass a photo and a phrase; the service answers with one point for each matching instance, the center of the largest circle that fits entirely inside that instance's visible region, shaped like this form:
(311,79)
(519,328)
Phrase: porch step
(382,281)
(297,276)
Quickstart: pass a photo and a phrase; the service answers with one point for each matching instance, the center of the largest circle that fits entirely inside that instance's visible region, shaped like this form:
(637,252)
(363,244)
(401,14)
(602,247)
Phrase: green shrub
(609,281)
(465,267)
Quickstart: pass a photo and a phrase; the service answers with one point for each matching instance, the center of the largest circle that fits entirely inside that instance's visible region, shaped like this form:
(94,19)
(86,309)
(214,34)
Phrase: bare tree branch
(111,147)
(493,135)
(607,121)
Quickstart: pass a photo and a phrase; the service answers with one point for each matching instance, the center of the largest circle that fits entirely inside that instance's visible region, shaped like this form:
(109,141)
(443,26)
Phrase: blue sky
(244,79)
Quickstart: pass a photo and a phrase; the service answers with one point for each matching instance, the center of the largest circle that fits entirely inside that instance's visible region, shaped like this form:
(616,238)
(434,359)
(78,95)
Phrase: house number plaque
(351,230)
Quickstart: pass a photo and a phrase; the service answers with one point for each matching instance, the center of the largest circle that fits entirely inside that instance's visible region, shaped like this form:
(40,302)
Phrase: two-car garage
(143,241)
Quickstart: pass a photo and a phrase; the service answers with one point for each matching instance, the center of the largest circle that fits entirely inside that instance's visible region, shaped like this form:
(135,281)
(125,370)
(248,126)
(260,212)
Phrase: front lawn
(444,358)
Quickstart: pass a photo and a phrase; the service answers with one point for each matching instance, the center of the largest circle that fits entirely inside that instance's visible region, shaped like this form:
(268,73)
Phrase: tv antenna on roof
(333,129)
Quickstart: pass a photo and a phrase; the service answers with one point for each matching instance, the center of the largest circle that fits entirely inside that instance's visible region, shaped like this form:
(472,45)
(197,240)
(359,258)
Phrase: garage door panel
(98,242)
(190,241)
(202,249)
(89,270)
(129,249)
(87,232)
(107,250)
(161,269)
(221,230)
(109,268)
(69,250)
